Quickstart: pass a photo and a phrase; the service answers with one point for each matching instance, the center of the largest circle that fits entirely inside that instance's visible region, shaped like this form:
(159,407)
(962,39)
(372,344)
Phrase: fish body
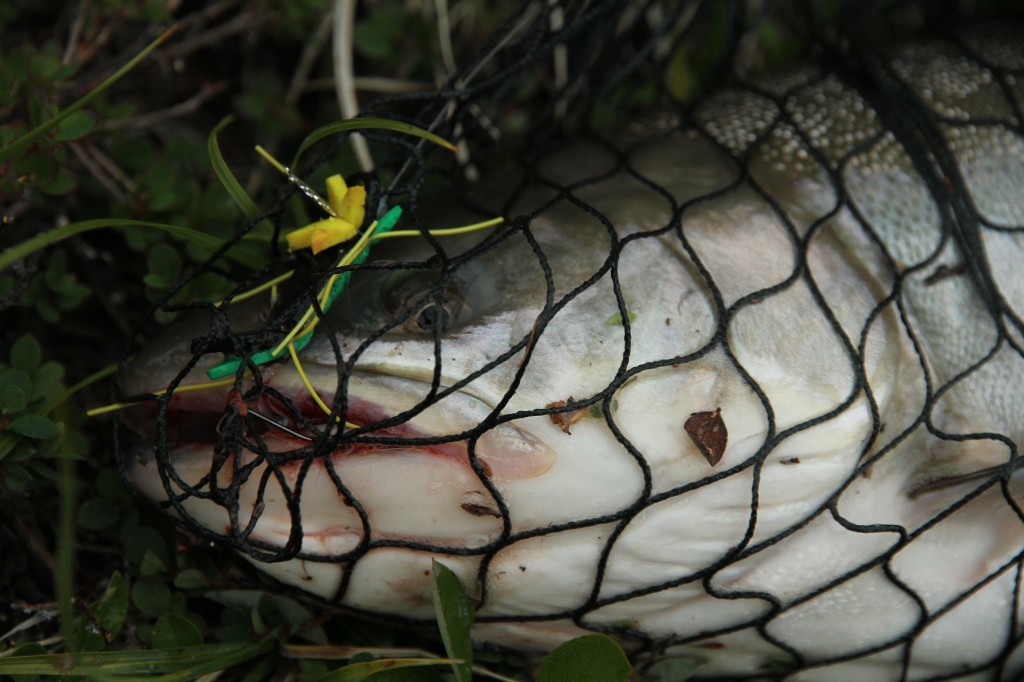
(720,392)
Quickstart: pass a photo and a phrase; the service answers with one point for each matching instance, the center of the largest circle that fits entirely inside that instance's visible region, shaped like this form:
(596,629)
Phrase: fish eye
(415,301)
(432,318)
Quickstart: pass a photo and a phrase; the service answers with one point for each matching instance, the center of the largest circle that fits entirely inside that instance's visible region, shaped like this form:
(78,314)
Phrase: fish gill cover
(737,378)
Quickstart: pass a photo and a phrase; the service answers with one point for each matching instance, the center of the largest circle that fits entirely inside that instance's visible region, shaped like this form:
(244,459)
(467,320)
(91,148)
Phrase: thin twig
(97,172)
(238,24)
(310,52)
(89,49)
(109,165)
(43,642)
(209,13)
(386,86)
(444,34)
(344,75)
(150,119)
(36,544)
(75,33)
(35,619)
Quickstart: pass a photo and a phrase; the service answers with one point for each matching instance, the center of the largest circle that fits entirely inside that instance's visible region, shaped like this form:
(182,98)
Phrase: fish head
(499,402)
(418,416)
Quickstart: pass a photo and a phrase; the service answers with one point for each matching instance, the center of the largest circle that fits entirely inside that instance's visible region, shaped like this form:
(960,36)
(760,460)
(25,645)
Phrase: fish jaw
(303,511)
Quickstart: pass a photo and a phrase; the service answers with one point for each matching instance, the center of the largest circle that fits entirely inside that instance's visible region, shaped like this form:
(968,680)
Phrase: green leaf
(63,182)
(76,126)
(151,597)
(190,579)
(151,564)
(15,377)
(173,631)
(97,514)
(224,174)
(145,539)
(275,610)
(46,380)
(41,165)
(26,354)
(591,658)
(165,263)
(356,672)
(113,606)
(12,398)
(20,452)
(34,426)
(31,649)
(455,614)
(44,63)
(16,478)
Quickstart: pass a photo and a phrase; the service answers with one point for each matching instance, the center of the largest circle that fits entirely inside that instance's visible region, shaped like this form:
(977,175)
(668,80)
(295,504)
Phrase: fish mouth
(285,485)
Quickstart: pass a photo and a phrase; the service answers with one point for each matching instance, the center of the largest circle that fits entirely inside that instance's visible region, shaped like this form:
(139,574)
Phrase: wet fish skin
(772,262)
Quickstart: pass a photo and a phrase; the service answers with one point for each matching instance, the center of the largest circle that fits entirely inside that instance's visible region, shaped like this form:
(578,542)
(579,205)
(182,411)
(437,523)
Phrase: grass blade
(455,615)
(363,124)
(31,136)
(182,663)
(357,672)
(238,253)
(224,174)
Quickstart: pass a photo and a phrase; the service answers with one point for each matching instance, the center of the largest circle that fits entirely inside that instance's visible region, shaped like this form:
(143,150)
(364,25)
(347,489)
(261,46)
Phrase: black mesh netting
(738,379)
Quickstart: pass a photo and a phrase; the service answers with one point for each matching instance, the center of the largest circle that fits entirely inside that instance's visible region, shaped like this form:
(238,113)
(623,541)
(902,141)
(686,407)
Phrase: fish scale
(826,261)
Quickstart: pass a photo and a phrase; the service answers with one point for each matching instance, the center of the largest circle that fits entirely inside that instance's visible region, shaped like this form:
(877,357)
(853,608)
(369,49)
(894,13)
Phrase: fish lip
(443,426)
(382,485)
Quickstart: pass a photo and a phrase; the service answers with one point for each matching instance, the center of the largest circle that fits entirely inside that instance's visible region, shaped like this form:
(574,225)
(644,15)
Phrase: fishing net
(774,324)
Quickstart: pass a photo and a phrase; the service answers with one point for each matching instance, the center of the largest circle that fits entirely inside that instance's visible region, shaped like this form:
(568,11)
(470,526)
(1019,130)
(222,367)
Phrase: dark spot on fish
(668,322)
(707,431)
(523,569)
(790,460)
(480,510)
(565,420)
(943,272)
(426,573)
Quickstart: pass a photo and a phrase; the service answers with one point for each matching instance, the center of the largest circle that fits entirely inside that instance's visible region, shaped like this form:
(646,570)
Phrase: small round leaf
(26,354)
(173,631)
(591,658)
(34,426)
(76,125)
(151,597)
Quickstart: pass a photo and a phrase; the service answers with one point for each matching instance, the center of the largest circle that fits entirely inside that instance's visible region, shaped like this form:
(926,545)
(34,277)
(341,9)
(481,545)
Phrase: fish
(740,386)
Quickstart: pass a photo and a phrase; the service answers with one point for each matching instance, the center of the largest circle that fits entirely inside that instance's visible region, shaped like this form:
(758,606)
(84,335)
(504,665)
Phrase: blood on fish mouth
(286,485)
(293,423)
